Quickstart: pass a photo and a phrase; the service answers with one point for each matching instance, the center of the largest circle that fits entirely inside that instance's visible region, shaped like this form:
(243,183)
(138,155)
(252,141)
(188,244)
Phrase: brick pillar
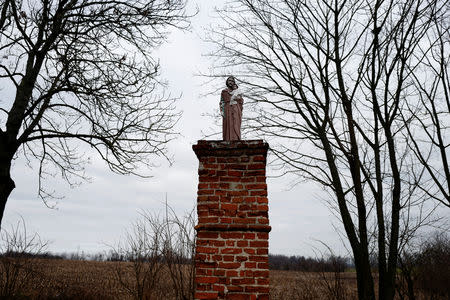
(232,260)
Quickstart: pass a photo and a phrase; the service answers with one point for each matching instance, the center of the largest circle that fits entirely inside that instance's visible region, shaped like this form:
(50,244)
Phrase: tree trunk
(6,182)
(6,187)
(364,278)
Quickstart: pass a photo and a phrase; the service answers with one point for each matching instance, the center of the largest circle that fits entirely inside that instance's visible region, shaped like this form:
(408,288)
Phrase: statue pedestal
(232,259)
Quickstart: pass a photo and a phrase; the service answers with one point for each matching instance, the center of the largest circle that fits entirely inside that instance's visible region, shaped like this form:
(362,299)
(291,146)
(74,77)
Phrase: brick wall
(233,223)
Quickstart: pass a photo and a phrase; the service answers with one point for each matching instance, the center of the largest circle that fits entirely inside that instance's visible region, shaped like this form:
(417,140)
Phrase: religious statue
(231,104)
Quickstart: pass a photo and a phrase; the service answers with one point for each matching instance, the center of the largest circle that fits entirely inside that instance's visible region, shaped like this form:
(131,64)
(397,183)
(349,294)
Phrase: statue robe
(231,116)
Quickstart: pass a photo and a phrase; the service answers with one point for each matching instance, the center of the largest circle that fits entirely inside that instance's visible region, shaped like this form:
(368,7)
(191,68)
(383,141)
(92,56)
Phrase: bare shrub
(142,247)
(433,267)
(159,251)
(18,260)
(178,252)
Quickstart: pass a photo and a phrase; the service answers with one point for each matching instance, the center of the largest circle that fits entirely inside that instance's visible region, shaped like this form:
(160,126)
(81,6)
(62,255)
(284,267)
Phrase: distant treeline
(276,261)
(309,264)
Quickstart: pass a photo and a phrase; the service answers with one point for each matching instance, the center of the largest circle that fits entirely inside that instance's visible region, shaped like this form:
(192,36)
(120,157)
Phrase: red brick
(233,288)
(254,173)
(206,279)
(259,244)
(264,274)
(219,272)
(262,200)
(242,243)
(200,271)
(260,178)
(256,186)
(263,281)
(256,289)
(245,221)
(210,166)
(258,193)
(262,207)
(203,213)
(220,173)
(248,179)
(250,251)
(250,199)
(241,258)
(205,264)
(263,235)
(262,251)
(219,288)
(239,193)
(263,221)
(238,166)
(234,173)
(238,199)
(229,179)
(259,158)
(230,243)
(258,258)
(220,193)
(208,179)
(249,236)
(204,295)
(242,281)
(207,235)
(233,265)
(232,159)
(217,243)
(232,192)
(258,166)
(209,250)
(245,159)
(232,273)
(231,251)
(205,220)
(231,235)
(228,258)
(229,206)
(202,186)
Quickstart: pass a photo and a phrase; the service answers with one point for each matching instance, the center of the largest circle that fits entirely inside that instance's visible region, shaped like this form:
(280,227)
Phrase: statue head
(231,83)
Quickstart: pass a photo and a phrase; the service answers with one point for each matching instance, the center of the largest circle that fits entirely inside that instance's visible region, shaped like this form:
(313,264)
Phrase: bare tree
(429,117)
(82,72)
(334,80)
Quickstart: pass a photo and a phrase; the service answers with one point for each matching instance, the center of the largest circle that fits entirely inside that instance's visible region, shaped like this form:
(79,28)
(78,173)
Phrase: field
(72,279)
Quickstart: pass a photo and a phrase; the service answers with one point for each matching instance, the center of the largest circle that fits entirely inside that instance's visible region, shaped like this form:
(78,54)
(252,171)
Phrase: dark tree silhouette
(81,72)
(340,83)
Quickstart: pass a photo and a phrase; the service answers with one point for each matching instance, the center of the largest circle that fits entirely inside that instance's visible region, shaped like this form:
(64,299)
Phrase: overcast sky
(96,214)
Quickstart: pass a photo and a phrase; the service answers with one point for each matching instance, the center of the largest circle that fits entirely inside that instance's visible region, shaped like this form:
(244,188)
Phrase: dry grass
(66,279)
(305,286)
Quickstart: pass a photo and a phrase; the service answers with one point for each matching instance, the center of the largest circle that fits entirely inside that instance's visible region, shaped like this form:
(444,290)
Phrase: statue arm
(222,105)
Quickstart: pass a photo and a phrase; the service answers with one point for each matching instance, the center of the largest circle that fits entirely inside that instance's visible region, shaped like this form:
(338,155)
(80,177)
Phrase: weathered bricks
(233,225)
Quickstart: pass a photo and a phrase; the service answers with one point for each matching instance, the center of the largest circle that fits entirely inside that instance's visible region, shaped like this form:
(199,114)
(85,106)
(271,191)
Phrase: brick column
(232,259)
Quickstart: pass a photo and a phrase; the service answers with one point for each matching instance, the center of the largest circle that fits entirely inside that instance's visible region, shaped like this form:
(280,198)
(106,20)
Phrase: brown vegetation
(69,279)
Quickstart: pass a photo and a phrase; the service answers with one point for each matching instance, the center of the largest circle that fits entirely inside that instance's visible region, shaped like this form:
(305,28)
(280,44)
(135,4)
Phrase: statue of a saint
(231,104)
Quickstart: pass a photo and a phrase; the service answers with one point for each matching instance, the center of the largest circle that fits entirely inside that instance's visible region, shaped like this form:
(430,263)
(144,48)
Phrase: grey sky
(97,214)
